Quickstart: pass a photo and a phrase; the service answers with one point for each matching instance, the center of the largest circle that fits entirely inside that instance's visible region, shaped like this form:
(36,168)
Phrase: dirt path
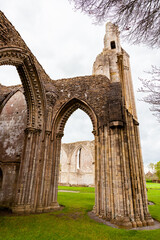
(68,191)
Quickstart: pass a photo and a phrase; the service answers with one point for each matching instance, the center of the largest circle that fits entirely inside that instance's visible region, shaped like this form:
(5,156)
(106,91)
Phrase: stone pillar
(27,187)
(102,172)
(56,163)
(44,198)
(113,184)
(96,206)
(147,217)
(117,174)
(139,195)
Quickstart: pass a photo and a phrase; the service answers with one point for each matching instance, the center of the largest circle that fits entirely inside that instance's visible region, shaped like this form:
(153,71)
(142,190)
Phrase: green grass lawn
(153,185)
(73,223)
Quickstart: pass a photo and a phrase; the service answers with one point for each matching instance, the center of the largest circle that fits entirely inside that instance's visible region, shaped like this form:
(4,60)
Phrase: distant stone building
(77,166)
(151,176)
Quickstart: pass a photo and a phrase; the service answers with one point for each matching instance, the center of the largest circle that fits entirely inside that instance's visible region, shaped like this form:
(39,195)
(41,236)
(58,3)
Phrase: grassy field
(73,223)
(153,185)
(154,196)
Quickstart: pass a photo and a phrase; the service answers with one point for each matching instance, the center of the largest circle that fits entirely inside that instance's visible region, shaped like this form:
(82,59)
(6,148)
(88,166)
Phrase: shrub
(148,180)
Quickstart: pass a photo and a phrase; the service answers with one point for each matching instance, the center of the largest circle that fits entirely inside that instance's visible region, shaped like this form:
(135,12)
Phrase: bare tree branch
(152,88)
(138,20)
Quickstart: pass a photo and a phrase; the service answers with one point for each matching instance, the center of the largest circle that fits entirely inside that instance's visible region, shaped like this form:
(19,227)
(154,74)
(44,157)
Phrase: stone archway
(30,81)
(58,128)
(35,110)
(67,109)
(13,51)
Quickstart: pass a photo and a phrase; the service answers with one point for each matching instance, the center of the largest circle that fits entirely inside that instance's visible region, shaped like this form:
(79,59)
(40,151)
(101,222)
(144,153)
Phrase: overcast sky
(66,44)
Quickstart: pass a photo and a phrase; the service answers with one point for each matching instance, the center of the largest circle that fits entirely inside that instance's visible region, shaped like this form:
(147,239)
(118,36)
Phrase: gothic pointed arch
(14,51)
(10,95)
(30,80)
(66,111)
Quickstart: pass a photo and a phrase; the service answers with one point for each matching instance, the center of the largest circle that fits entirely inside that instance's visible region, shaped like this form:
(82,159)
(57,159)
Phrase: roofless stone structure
(107,97)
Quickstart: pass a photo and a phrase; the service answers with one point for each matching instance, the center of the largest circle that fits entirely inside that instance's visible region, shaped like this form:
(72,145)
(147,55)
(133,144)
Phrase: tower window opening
(79,158)
(1,178)
(113,45)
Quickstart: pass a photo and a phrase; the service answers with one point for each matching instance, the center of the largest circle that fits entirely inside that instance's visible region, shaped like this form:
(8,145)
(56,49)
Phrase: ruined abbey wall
(12,125)
(76,161)
(77,166)
(107,97)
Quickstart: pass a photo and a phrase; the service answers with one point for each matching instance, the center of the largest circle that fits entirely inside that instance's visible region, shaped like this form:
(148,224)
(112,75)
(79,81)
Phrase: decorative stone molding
(31,83)
(67,110)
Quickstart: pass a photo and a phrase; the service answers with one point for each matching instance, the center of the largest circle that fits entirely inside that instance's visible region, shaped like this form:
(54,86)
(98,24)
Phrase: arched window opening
(79,158)
(9,76)
(1,178)
(78,128)
(113,45)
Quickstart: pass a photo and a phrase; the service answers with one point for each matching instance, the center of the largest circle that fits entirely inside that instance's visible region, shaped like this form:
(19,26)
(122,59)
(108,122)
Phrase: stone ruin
(29,172)
(77,166)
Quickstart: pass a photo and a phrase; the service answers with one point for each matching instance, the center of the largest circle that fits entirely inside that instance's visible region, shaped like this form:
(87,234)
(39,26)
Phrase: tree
(138,20)
(157,168)
(151,86)
(151,166)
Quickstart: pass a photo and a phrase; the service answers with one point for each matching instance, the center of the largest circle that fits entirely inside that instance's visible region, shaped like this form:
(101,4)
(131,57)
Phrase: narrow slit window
(79,158)
(113,45)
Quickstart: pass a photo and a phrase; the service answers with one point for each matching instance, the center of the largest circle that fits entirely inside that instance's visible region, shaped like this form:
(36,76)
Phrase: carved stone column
(45,174)
(96,206)
(55,171)
(112,180)
(139,195)
(27,187)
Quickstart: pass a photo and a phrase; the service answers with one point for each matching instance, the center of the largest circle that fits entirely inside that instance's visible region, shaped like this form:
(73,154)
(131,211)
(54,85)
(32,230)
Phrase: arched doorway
(59,125)
(77,152)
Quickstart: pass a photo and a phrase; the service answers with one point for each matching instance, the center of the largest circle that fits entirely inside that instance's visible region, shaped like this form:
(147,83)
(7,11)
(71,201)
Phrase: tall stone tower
(114,63)
(122,190)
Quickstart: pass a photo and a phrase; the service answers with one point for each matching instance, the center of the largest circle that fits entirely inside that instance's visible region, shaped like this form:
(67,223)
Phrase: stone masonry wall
(77,166)
(12,125)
